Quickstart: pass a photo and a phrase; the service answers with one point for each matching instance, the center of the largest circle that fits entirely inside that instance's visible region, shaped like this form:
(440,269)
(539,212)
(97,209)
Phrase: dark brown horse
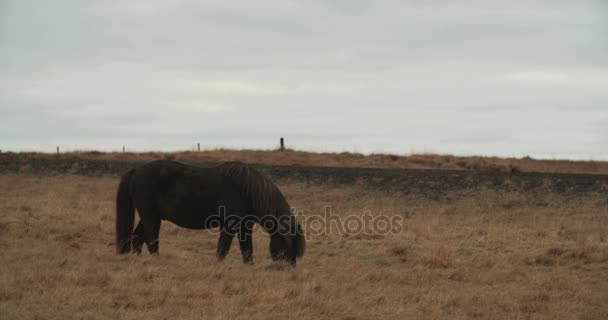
(231,197)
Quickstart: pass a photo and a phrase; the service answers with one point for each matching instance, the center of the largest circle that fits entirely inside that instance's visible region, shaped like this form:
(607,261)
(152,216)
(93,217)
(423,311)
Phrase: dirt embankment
(428,182)
(290,157)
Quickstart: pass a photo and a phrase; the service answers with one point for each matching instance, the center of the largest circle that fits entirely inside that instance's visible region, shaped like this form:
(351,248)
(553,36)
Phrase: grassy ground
(489,255)
(346,159)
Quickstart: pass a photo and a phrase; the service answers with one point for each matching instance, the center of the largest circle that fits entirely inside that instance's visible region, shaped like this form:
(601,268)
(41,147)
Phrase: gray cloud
(490,77)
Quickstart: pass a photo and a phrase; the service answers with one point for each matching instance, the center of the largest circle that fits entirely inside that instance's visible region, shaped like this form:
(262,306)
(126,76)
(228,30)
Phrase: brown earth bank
(434,183)
(347,159)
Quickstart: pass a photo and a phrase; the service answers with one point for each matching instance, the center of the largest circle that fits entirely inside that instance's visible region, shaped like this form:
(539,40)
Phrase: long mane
(262,194)
(264,198)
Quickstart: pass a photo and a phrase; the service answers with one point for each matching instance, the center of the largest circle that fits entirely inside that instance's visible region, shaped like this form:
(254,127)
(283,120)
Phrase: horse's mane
(264,197)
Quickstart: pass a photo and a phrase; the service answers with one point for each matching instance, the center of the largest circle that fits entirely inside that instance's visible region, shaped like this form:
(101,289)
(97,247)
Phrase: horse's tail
(125,215)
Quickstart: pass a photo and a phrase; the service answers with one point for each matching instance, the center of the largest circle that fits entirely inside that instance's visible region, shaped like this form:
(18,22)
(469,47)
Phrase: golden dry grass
(490,256)
(347,159)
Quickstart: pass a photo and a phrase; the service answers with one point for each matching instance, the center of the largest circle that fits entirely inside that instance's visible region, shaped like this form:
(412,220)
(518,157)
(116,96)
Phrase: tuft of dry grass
(487,255)
(348,159)
(438,257)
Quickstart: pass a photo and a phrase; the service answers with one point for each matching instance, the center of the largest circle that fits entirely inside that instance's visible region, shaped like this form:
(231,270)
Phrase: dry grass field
(485,255)
(347,159)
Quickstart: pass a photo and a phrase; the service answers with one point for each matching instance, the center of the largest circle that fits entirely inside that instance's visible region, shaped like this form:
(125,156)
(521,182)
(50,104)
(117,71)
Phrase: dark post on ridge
(282,144)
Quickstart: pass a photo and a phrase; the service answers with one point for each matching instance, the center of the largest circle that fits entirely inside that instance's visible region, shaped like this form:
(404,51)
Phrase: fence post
(282,144)
(198,145)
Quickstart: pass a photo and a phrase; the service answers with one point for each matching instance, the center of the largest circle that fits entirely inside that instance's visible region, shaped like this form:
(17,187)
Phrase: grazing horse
(232,196)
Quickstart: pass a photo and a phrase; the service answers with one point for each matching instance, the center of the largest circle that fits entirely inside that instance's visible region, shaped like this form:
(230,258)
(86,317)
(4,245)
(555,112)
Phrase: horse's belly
(192,221)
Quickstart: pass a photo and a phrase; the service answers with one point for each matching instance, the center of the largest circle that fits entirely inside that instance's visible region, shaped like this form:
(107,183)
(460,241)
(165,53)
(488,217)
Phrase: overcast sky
(509,78)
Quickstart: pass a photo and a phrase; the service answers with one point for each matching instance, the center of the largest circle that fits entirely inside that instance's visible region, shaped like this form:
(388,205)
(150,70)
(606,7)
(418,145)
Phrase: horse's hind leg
(223,244)
(138,238)
(151,230)
(246,241)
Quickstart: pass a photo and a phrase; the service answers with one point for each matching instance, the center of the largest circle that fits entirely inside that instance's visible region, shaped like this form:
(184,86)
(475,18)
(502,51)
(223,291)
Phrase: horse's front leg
(223,244)
(246,242)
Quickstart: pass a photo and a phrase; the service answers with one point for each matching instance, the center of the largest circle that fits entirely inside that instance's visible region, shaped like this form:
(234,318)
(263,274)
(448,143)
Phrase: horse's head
(288,243)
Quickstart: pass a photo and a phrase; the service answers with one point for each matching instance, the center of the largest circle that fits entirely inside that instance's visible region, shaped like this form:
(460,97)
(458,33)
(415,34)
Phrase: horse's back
(162,175)
(180,193)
